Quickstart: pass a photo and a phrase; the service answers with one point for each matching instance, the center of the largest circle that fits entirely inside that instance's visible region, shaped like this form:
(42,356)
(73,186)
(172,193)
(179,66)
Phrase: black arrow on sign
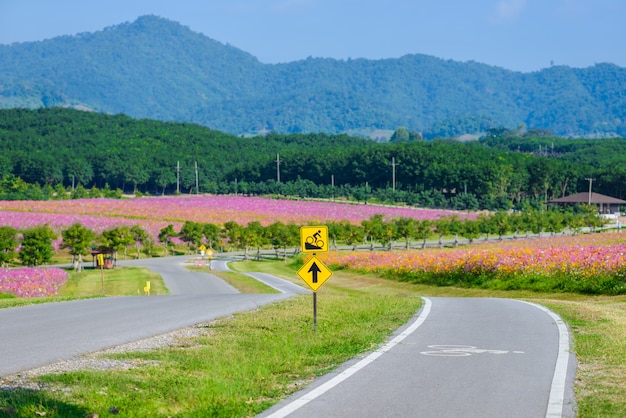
(314,270)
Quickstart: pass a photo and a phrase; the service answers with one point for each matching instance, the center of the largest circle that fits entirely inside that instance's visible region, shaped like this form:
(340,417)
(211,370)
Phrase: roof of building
(596,198)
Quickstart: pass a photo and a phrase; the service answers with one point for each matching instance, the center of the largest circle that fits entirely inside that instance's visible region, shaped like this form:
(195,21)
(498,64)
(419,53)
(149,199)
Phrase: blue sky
(521,35)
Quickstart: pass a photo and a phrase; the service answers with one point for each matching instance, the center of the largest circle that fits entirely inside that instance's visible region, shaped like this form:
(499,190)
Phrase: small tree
(165,236)
(211,234)
(405,228)
(256,237)
(8,244)
(353,235)
(191,233)
(278,236)
(77,239)
(79,192)
(501,223)
(485,226)
(231,232)
(401,134)
(470,229)
(117,239)
(555,221)
(442,228)
(36,248)
(142,238)
(335,229)
(455,227)
(388,233)
(374,229)
(423,230)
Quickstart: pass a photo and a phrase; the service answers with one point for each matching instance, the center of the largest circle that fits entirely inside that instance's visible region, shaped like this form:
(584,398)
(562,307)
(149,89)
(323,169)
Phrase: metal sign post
(314,311)
(101,263)
(314,272)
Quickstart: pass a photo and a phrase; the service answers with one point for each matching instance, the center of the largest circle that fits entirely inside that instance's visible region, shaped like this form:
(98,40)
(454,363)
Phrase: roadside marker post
(101,263)
(314,272)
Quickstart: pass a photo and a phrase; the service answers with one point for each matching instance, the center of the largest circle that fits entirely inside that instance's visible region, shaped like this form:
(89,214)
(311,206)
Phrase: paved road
(460,358)
(37,335)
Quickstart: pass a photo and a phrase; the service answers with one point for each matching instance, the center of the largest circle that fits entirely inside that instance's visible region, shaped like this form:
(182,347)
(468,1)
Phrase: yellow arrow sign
(314,273)
(314,239)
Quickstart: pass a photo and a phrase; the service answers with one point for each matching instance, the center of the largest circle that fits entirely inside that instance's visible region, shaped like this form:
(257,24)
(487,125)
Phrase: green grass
(241,282)
(599,328)
(89,283)
(13,302)
(125,281)
(242,365)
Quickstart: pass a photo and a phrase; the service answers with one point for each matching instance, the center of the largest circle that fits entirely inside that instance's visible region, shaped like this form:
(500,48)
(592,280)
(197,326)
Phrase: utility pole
(332,183)
(393,172)
(590,180)
(197,186)
(277,168)
(178,177)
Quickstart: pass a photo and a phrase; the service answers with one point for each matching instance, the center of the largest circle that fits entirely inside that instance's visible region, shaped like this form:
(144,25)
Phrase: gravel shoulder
(98,360)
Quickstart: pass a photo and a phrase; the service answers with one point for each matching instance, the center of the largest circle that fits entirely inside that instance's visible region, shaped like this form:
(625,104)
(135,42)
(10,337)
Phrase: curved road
(37,335)
(460,357)
(465,357)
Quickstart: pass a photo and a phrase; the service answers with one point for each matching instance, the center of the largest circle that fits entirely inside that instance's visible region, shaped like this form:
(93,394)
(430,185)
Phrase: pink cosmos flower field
(592,263)
(30,282)
(154,213)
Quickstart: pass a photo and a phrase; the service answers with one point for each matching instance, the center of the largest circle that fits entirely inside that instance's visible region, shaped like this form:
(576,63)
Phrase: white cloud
(507,10)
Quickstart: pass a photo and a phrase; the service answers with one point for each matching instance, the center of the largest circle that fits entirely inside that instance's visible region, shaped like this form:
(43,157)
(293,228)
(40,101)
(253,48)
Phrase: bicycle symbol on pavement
(462,351)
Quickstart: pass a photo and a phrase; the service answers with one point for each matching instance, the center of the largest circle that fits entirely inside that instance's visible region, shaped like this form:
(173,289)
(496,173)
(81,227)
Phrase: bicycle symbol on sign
(313,242)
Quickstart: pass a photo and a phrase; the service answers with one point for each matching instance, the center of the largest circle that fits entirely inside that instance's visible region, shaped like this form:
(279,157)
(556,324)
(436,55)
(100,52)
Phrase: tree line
(36,244)
(56,153)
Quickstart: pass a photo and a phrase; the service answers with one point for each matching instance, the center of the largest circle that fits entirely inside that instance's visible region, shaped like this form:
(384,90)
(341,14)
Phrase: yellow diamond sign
(314,273)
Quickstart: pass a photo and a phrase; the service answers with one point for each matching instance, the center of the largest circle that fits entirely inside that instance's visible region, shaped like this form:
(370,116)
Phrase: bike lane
(464,357)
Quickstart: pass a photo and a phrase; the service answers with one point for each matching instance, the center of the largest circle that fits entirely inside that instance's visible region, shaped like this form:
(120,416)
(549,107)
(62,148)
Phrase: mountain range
(159,69)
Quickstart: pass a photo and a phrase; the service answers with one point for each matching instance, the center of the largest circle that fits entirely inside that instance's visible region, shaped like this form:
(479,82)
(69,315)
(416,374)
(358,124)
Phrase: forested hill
(155,68)
(66,147)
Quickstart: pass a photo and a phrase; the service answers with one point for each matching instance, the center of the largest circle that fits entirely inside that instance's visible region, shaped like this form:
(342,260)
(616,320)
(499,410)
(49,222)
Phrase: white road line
(557,390)
(308,397)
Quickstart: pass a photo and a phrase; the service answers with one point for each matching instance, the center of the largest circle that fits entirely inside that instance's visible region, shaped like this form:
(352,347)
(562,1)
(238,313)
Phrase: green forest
(60,153)
(158,69)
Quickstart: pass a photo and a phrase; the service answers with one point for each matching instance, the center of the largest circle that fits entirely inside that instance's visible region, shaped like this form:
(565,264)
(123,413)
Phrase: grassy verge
(239,281)
(243,365)
(599,328)
(13,302)
(127,281)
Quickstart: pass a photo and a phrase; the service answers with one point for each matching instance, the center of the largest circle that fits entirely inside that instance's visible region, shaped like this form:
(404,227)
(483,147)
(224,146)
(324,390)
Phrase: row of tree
(13,188)
(69,149)
(36,244)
